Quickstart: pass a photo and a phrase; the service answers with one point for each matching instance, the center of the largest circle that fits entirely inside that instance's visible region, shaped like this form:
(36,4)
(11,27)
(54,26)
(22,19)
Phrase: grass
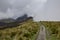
(53,29)
(27,31)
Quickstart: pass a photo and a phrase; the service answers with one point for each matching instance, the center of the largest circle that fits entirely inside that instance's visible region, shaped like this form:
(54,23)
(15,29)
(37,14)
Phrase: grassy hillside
(53,29)
(26,31)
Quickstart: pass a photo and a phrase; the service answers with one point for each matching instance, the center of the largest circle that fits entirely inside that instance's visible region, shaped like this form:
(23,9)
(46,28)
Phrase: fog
(40,10)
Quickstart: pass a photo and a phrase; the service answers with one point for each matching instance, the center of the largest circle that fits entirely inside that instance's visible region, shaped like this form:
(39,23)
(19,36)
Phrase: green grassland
(53,29)
(26,31)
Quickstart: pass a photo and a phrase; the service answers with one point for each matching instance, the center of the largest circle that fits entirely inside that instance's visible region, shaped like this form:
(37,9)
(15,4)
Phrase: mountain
(10,22)
(6,22)
(22,18)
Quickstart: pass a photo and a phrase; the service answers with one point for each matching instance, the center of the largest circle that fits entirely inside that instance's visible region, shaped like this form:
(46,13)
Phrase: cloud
(36,9)
(16,8)
(12,8)
(39,9)
(4,4)
(8,14)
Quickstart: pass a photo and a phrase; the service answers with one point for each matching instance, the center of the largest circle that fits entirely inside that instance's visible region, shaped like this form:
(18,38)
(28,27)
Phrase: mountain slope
(26,31)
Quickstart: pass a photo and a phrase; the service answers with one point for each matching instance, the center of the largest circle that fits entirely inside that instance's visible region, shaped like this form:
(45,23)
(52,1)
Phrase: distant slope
(22,18)
(9,22)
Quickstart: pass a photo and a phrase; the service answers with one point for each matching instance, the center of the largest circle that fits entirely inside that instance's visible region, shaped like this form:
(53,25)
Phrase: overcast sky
(41,10)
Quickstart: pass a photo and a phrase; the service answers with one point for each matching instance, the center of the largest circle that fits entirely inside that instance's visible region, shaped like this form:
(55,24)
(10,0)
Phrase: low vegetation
(53,29)
(26,31)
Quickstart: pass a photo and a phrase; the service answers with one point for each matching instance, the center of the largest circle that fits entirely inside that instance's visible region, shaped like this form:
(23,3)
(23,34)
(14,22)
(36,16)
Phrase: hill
(26,31)
(10,22)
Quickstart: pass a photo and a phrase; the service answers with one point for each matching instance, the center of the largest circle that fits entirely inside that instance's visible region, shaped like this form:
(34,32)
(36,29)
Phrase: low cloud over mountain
(39,9)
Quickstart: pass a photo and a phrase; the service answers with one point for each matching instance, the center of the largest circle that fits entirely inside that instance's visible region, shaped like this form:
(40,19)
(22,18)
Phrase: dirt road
(42,33)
